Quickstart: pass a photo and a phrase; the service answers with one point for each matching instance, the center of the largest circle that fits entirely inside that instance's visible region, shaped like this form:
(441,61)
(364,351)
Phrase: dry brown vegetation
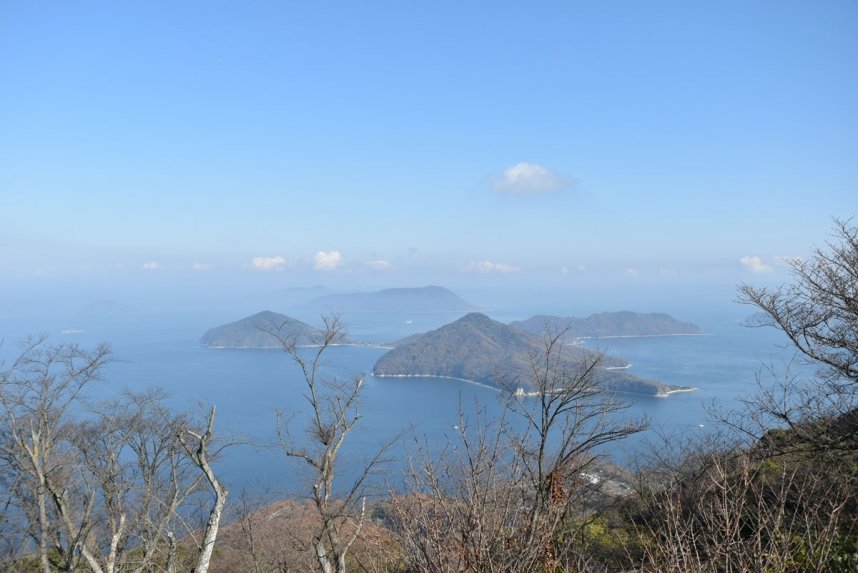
(279,538)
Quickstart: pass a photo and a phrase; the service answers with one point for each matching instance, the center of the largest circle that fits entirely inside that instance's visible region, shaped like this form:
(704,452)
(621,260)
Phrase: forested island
(478,349)
(474,348)
(610,324)
(262,330)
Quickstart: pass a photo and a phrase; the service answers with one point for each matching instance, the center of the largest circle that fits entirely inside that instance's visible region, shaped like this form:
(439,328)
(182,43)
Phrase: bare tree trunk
(212,526)
(334,414)
(36,394)
(200,455)
(41,496)
(170,566)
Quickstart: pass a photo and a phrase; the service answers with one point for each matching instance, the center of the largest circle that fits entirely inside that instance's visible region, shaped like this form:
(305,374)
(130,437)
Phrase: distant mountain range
(422,299)
(604,324)
(255,332)
(480,349)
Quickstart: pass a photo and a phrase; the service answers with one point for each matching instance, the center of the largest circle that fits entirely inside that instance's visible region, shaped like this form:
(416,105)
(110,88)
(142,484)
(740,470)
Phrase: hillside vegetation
(483,350)
(261,330)
(606,324)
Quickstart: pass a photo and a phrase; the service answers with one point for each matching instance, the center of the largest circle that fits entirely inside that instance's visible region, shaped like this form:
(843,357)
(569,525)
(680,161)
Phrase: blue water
(249,386)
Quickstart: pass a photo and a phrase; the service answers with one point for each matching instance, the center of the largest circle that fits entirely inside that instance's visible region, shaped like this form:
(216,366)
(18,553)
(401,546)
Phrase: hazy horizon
(590,156)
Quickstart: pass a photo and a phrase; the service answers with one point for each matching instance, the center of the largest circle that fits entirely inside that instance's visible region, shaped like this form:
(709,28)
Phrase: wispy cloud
(528,179)
(379,265)
(151,266)
(632,272)
(327,261)
(489,267)
(268,263)
(199,267)
(755,264)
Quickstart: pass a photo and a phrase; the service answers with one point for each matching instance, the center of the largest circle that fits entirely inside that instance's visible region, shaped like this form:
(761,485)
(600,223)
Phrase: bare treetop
(819,310)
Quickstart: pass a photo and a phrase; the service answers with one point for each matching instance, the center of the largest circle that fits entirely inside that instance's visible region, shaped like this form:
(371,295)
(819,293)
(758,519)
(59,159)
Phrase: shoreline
(356,344)
(643,335)
(484,385)
(521,392)
(668,393)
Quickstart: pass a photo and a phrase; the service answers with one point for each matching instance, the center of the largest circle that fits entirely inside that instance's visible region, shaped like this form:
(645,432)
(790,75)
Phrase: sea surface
(250,386)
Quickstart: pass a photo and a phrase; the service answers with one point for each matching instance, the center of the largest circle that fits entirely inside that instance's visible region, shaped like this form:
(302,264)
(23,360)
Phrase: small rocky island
(257,331)
(478,349)
(609,324)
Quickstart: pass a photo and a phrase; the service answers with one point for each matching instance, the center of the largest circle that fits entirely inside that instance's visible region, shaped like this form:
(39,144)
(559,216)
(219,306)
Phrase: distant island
(256,332)
(478,349)
(607,324)
(422,299)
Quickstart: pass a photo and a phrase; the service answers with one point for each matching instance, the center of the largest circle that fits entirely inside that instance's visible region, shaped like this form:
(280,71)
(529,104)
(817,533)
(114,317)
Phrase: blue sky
(572,146)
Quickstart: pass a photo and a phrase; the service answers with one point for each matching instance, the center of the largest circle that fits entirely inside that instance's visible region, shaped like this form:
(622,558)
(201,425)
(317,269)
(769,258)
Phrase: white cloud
(151,266)
(268,263)
(581,268)
(756,264)
(490,267)
(564,270)
(379,265)
(327,261)
(528,179)
(199,267)
(632,272)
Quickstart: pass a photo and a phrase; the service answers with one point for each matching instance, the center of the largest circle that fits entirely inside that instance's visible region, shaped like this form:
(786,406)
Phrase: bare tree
(724,509)
(131,458)
(500,497)
(164,479)
(567,423)
(197,445)
(818,312)
(784,500)
(334,413)
(98,486)
(37,393)
(462,507)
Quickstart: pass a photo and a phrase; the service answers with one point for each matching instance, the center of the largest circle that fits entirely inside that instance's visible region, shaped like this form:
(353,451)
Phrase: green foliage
(608,540)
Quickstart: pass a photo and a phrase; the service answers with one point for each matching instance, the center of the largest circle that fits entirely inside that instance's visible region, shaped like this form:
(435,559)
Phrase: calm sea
(249,386)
